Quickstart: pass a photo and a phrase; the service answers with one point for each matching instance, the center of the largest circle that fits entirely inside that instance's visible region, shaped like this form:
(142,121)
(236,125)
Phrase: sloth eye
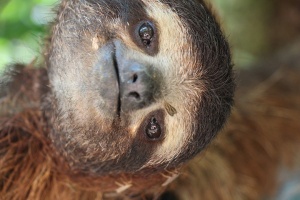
(153,129)
(146,33)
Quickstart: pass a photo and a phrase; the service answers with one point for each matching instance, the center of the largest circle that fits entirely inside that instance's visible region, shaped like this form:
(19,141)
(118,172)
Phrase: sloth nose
(137,84)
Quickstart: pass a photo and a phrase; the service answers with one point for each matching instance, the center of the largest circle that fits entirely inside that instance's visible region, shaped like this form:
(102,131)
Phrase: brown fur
(243,162)
(30,168)
(260,141)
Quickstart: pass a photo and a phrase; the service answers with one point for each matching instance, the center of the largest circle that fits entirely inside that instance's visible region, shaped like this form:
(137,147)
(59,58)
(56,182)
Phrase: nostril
(137,86)
(134,78)
(134,95)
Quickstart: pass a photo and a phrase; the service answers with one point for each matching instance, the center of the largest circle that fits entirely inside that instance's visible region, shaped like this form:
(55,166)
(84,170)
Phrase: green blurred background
(22,29)
(255,28)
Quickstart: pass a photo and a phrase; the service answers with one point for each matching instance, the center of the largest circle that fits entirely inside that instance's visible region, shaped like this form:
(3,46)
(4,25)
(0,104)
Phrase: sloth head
(136,84)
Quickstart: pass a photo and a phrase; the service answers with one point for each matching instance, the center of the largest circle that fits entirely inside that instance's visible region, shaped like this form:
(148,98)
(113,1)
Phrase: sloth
(128,93)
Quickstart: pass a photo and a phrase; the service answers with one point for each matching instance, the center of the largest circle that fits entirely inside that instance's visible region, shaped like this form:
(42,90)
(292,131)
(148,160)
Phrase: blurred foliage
(22,26)
(246,24)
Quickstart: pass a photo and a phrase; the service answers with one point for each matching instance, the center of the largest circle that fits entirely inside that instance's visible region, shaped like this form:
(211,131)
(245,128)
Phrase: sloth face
(137,84)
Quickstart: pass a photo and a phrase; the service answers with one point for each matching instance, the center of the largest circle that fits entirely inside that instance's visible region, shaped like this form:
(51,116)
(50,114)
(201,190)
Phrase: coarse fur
(60,137)
(258,152)
(244,162)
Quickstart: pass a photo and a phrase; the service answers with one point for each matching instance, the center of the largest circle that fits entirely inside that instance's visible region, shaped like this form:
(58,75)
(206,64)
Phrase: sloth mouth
(106,81)
(116,68)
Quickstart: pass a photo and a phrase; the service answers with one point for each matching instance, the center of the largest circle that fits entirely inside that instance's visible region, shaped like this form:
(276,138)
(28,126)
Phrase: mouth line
(116,67)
